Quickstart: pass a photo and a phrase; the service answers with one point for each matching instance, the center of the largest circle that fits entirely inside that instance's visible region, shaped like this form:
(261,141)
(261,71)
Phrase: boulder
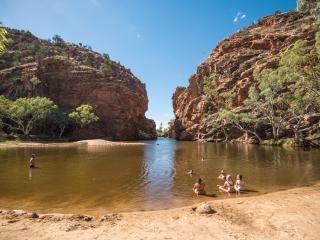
(204,208)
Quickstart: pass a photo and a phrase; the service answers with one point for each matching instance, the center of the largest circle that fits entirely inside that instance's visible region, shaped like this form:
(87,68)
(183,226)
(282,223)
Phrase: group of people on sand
(229,185)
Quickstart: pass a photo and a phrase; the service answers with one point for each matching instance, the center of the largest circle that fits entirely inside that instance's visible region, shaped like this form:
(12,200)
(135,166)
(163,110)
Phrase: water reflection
(159,172)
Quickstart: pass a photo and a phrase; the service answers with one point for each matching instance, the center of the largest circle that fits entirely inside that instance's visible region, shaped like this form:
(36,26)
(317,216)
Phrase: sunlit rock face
(70,76)
(233,62)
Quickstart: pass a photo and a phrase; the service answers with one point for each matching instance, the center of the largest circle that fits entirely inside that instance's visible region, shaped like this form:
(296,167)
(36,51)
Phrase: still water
(150,177)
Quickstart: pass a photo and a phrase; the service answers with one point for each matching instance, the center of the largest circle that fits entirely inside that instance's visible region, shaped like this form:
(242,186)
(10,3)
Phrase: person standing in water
(32,162)
(198,187)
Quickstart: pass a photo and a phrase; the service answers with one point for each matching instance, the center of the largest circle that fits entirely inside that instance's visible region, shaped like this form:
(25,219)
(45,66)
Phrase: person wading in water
(32,162)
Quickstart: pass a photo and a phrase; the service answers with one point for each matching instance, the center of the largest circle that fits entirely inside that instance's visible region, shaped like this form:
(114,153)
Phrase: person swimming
(198,187)
(239,185)
(222,175)
(32,162)
(228,185)
(190,172)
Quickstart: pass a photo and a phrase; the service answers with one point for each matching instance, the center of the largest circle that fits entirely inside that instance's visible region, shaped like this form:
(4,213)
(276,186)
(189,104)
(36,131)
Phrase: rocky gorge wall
(70,76)
(233,62)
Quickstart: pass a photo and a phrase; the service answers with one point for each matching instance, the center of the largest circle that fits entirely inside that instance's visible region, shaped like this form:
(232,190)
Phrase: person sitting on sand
(222,175)
(228,185)
(239,186)
(32,162)
(198,187)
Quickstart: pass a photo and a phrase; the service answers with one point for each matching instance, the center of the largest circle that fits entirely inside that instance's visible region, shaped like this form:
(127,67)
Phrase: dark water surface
(154,176)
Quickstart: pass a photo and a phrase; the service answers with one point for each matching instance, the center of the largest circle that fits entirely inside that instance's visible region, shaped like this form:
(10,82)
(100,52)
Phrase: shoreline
(86,143)
(293,213)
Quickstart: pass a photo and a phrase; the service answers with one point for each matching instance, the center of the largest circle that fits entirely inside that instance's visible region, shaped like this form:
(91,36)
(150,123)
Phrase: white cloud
(239,16)
(236,18)
(138,35)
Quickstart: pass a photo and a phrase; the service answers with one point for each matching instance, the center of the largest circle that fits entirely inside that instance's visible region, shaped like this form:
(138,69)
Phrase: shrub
(57,39)
(105,68)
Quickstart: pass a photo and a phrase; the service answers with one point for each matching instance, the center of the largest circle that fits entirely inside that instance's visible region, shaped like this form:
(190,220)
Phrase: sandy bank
(89,143)
(291,214)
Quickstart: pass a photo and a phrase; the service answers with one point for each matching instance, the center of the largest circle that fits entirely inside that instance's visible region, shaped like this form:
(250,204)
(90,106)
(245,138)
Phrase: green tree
(245,122)
(106,56)
(311,6)
(23,114)
(289,92)
(83,115)
(160,130)
(265,102)
(61,120)
(57,39)
(171,123)
(105,68)
(209,87)
(35,81)
(3,38)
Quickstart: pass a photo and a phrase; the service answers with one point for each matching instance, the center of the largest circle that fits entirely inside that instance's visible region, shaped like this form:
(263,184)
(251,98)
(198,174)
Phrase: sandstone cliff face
(233,62)
(70,76)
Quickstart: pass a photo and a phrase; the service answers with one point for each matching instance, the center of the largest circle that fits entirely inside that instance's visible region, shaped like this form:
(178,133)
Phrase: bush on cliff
(105,68)
(83,115)
(3,39)
(311,6)
(57,39)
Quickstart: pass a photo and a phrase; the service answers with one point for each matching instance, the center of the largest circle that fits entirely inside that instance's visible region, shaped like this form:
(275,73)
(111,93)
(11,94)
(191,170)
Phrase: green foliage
(171,123)
(317,45)
(228,96)
(105,68)
(160,130)
(24,113)
(305,5)
(292,16)
(35,81)
(84,46)
(209,87)
(311,6)
(106,56)
(60,121)
(87,61)
(83,115)
(57,39)
(290,91)
(246,122)
(3,38)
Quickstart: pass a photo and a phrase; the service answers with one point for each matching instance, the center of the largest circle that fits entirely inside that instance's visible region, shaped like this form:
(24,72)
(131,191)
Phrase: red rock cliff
(70,76)
(233,62)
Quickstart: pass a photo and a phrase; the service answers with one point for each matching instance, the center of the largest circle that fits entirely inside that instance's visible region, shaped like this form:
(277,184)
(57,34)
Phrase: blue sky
(161,41)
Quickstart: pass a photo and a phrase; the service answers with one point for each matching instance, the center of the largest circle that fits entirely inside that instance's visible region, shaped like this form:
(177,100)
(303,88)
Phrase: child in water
(222,175)
(198,187)
(239,186)
(228,185)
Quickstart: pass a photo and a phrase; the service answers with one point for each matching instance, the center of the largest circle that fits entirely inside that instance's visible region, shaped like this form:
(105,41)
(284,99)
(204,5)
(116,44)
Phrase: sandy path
(291,214)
